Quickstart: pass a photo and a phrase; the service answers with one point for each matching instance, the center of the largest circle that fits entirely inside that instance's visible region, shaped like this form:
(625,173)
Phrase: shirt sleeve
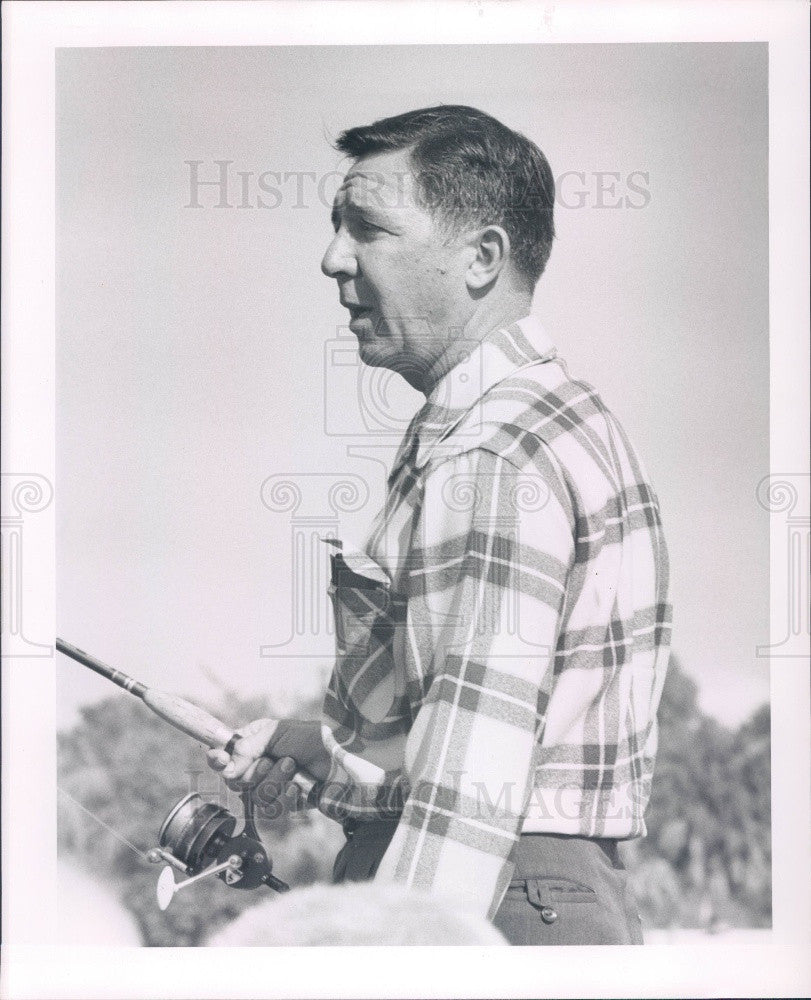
(487,579)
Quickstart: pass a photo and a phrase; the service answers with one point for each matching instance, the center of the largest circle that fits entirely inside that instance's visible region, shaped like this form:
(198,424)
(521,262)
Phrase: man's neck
(480,324)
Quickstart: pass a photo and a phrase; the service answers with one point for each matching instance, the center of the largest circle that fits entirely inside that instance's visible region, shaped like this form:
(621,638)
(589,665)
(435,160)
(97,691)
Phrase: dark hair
(472,170)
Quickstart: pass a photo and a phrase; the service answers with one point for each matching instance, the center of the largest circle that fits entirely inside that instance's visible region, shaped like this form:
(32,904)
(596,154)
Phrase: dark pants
(565,890)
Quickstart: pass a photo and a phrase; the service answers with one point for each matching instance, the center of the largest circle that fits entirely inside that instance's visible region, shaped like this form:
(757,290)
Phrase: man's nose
(339,259)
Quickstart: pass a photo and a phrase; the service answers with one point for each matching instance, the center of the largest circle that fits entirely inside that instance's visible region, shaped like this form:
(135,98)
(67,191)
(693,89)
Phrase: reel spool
(196,838)
(194,831)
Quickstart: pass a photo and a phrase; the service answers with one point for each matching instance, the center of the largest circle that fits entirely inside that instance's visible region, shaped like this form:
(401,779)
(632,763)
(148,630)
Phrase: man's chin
(374,354)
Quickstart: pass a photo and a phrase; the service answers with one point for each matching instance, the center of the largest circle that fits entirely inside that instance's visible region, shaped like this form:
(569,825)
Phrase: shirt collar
(497,356)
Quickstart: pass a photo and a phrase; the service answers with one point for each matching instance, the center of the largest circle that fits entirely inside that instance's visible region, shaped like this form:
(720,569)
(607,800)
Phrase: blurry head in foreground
(356,914)
(89,913)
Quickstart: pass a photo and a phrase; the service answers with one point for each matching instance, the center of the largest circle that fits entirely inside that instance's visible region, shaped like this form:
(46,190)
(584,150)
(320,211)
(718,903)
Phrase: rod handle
(203,726)
(189,718)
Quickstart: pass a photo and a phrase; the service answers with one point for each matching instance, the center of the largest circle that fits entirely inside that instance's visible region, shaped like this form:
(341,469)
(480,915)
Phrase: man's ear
(492,251)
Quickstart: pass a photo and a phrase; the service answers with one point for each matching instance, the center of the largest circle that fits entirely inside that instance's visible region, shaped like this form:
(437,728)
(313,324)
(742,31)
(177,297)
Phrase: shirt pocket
(363,632)
(359,604)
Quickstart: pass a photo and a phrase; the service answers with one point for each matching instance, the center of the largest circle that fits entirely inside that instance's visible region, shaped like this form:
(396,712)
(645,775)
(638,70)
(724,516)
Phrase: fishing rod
(196,838)
(177,711)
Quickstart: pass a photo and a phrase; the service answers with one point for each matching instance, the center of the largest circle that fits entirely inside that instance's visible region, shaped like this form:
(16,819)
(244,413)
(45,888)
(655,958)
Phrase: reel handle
(167,887)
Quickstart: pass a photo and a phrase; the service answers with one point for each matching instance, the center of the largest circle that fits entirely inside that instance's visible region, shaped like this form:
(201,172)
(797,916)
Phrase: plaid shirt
(502,649)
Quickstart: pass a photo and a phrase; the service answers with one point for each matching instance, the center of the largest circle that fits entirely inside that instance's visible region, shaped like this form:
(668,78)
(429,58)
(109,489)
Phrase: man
(489,728)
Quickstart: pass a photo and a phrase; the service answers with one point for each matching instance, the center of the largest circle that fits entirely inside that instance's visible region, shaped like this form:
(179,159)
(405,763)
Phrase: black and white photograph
(406,505)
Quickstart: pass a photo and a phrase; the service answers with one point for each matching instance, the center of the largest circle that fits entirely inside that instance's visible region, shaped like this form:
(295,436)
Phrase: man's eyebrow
(374,190)
(348,206)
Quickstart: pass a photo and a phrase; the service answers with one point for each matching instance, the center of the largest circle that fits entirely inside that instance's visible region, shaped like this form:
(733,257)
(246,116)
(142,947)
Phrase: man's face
(400,278)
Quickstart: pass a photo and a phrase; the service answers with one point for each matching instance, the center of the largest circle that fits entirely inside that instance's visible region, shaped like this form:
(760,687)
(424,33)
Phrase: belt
(607,845)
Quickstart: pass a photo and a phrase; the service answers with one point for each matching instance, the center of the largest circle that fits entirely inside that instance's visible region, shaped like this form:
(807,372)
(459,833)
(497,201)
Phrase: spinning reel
(197,839)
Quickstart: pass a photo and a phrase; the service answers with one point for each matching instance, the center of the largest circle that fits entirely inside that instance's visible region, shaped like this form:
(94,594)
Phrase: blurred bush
(706,860)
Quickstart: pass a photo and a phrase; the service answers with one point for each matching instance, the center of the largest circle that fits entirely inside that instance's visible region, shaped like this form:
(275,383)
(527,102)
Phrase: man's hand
(270,751)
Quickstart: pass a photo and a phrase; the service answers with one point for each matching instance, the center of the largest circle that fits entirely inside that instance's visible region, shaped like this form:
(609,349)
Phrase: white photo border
(32,967)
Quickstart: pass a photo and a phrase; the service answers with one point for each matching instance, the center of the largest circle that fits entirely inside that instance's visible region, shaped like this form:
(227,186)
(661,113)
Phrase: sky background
(200,350)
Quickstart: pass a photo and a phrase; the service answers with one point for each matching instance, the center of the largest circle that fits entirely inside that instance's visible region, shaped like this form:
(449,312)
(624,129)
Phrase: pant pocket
(553,910)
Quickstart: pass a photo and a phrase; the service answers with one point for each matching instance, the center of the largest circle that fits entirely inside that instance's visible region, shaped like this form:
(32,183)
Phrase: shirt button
(548,915)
